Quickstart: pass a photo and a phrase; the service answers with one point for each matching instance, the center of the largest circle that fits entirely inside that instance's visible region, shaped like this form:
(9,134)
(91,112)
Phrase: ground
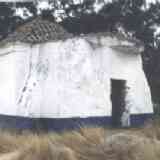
(90,143)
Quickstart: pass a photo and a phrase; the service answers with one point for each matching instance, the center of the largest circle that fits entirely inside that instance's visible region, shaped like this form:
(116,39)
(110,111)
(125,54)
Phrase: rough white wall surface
(69,79)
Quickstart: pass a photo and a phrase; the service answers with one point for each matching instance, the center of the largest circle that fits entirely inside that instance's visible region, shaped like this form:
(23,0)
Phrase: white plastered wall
(7,85)
(13,70)
(69,79)
(129,67)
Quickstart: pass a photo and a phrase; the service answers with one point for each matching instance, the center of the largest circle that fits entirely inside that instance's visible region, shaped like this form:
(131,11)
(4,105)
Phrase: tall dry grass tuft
(152,129)
(123,146)
(8,142)
(41,148)
(85,144)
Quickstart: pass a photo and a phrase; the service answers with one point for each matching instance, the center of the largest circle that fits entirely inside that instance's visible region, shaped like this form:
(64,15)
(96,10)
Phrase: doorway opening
(118,95)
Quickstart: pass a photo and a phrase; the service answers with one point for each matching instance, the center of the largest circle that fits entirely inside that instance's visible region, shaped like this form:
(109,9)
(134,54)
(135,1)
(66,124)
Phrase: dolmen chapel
(54,80)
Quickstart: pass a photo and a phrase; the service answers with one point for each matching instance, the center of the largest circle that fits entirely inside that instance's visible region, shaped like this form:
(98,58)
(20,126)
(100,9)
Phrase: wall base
(61,124)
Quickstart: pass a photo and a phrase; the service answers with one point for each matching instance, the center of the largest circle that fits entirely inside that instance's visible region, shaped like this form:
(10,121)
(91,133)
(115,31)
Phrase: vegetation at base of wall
(85,144)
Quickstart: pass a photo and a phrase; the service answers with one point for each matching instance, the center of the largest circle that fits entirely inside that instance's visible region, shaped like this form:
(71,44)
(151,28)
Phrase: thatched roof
(37,30)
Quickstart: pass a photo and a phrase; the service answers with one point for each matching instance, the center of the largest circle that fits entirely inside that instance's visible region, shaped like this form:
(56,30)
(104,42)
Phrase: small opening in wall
(118,94)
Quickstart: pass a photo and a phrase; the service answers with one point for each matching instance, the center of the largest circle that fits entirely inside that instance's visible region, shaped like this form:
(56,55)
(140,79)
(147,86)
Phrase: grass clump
(85,144)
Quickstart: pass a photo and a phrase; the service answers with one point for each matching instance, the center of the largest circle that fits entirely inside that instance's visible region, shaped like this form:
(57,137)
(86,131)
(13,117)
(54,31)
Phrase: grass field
(85,144)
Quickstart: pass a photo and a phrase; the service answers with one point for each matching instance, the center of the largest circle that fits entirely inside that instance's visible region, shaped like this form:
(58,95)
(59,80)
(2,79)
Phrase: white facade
(69,78)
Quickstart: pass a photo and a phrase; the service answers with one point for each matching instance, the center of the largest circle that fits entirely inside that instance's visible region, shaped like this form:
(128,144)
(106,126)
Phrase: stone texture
(38,30)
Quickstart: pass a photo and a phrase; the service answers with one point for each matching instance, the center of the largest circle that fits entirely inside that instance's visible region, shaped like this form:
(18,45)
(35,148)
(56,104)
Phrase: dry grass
(85,144)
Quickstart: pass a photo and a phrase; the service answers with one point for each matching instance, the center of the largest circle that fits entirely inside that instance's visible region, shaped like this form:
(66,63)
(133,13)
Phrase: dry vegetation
(85,144)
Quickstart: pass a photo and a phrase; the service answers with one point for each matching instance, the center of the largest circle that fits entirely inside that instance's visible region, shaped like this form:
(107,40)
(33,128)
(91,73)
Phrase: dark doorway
(118,101)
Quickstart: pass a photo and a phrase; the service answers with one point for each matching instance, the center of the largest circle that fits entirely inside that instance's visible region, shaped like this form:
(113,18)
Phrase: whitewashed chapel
(54,80)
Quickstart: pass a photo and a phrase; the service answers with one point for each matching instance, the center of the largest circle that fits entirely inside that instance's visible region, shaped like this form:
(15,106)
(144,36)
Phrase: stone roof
(122,43)
(119,36)
(37,30)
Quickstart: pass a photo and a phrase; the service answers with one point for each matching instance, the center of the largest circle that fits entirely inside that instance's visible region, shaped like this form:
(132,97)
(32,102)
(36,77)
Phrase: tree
(8,21)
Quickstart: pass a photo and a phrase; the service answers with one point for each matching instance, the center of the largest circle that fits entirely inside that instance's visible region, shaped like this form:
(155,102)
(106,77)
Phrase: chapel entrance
(118,94)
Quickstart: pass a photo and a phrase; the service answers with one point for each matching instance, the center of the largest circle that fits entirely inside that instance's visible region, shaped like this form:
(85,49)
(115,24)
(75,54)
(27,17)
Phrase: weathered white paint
(69,78)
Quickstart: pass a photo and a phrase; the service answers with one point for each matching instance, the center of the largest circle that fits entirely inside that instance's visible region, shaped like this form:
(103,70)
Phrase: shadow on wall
(156,107)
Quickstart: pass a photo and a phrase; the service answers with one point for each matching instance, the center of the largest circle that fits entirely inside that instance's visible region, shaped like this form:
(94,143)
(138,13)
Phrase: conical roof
(38,30)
